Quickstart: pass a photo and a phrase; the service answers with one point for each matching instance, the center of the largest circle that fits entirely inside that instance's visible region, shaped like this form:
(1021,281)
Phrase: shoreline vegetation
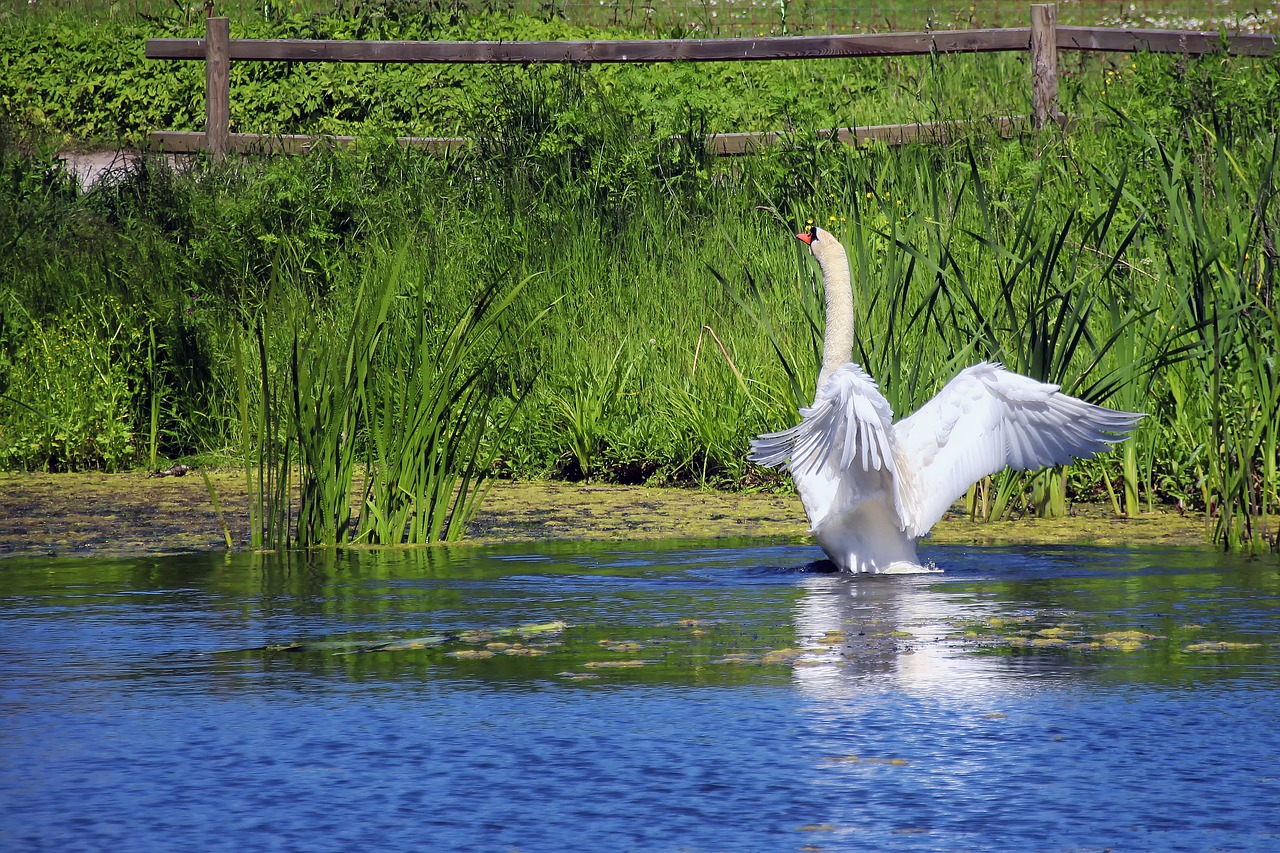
(588,296)
(131,514)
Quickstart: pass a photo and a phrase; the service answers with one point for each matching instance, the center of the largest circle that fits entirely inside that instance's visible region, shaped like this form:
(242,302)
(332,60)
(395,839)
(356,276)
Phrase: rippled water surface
(681,697)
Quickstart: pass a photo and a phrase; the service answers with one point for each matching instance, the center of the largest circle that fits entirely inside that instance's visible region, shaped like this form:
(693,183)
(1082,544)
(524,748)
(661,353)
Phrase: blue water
(141,708)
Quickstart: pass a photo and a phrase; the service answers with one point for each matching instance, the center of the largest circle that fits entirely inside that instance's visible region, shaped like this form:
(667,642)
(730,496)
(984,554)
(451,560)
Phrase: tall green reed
(330,368)
(388,378)
(1219,252)
(438,412)
(266,446)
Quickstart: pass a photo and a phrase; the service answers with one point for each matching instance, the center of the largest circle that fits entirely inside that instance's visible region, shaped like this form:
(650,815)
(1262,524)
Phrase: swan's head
(822,243)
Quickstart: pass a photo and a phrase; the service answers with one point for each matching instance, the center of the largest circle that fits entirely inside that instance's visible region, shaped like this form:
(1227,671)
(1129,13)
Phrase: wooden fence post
(217,78)
(1044,64)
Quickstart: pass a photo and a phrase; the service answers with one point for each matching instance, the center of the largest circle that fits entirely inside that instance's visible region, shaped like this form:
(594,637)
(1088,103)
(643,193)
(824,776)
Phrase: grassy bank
(129,514)
(638,310)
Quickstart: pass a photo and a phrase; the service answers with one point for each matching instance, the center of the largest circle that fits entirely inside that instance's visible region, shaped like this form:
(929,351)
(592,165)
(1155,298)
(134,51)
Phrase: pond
(677,696)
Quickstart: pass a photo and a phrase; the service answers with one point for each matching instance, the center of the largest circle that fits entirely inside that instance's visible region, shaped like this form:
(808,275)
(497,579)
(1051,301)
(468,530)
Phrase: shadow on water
(650,696)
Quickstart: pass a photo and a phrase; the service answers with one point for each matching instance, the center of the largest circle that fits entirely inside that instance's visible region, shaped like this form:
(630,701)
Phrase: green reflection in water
(1172,617)
(674,613)
(494,614)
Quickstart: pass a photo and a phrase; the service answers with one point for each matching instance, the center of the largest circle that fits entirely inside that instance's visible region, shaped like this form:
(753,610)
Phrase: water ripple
(641,697)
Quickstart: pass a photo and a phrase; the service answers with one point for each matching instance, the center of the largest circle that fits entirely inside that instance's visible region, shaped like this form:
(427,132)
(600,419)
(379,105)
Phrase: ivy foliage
(90,81)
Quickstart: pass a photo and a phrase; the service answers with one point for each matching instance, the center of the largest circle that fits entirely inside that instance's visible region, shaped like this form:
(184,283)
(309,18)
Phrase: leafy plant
(582,404)
(434,416)
(71,384)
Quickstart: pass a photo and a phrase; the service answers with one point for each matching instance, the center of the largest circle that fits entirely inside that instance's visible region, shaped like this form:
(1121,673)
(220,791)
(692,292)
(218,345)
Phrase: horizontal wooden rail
(716,50)
(193,141)
(669,50)
(1044,39)
(725,144)
(890,134)
(1164,41)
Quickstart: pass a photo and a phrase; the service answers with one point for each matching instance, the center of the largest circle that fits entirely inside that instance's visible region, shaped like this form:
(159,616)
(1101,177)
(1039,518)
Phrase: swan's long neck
(837,341)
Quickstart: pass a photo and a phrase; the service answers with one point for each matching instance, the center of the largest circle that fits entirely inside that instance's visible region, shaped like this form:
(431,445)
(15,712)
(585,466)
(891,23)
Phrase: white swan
(871,488)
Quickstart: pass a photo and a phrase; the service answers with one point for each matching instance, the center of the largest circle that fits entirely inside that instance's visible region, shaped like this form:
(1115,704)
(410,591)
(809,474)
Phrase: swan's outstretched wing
(841,452)
(985,419)
(848,425)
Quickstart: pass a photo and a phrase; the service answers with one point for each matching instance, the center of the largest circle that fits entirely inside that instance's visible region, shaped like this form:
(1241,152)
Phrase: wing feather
(841,452)
(985,419)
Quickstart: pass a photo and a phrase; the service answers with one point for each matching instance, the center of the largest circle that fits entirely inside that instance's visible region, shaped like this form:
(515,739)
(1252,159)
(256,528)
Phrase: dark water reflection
(682,697)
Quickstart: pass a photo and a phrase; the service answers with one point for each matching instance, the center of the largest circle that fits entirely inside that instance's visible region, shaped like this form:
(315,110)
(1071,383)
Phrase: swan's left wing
(985,419)
(841,452)
(848,426)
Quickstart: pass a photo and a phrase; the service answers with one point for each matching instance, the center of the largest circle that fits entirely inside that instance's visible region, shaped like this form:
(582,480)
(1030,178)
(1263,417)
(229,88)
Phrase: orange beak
(805,237)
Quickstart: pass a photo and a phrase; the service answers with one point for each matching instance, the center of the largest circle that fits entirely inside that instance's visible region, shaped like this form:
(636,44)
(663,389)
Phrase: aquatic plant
(1219,250)
(375,381)
(437,413)
(331,363)
(687,311)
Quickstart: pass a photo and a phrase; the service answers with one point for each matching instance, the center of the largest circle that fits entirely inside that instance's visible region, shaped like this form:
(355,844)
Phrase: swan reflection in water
(894,629)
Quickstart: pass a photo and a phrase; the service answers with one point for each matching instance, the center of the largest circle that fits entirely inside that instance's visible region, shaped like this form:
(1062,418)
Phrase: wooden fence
(1044,39)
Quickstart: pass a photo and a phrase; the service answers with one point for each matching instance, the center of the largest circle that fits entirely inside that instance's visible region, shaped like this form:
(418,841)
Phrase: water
(682,697)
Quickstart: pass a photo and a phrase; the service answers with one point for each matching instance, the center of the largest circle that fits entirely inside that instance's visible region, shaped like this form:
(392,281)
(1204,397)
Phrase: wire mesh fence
(720,18)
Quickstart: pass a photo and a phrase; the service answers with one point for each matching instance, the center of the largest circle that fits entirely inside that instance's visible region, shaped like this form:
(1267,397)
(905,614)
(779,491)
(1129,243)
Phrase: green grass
(690,18)
(606,302)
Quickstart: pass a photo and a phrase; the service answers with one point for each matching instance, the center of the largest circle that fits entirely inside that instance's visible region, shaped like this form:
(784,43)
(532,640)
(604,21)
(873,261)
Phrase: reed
(436,412)
(266,447)
(687,318)
(331,365)
(1219,251)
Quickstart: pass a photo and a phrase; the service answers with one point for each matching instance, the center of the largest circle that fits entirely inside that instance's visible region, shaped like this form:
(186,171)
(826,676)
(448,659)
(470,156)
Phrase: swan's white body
(871,487)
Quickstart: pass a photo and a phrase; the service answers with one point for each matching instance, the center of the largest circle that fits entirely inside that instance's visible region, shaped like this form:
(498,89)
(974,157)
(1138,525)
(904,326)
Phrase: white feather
(870,487)
(984,420)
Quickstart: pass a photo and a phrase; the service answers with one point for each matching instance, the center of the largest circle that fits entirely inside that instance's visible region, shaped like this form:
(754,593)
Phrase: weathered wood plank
(189,142)
(217,75)
(677,50)
(176,141)
(719,50)
(725,144)
(1164,41)
(729,144)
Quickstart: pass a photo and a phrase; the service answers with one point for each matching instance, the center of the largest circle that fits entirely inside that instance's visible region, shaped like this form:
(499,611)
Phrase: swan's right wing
(841,452)
(985,419)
